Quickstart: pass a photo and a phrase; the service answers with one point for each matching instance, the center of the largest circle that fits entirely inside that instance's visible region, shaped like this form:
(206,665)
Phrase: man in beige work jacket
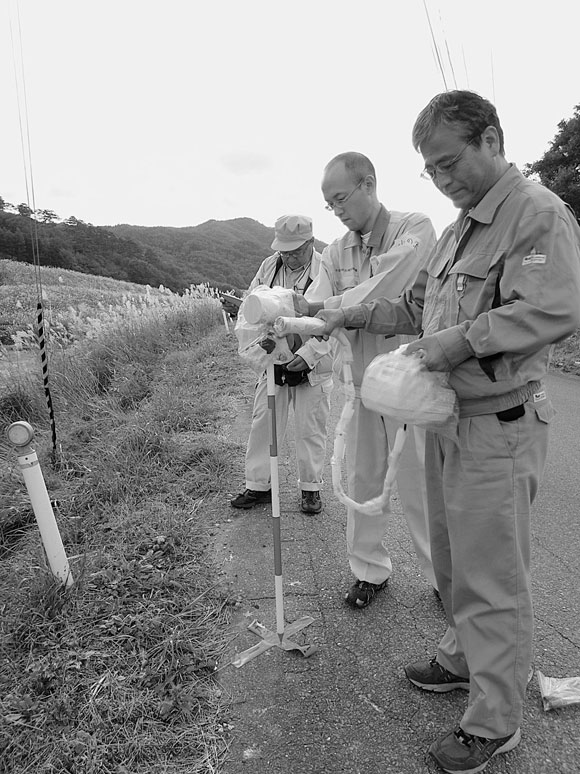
(304,383)
(379,255)
(501,287)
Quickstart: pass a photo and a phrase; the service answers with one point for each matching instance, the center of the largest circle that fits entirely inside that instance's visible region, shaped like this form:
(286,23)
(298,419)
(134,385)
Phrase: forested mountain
(225,254)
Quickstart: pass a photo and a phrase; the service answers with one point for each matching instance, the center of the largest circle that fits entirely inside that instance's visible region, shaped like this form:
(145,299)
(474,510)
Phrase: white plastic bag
(558,691)
(263,304)
(399,386)
(258,345)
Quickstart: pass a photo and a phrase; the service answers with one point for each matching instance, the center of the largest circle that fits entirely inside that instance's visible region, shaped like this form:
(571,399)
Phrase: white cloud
(245,162)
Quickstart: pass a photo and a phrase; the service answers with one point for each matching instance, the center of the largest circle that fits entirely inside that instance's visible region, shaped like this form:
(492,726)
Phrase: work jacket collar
(353,238)
(484,211)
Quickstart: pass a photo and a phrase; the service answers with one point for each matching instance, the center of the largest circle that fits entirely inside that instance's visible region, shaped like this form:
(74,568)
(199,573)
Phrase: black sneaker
(311,502)
(431,676)
(462,752)
(362,593)
(251,497)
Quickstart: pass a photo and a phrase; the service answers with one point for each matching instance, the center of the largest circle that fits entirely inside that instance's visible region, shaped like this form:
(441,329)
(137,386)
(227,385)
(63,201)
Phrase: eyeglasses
(430,173)
(295,253)
(330,206)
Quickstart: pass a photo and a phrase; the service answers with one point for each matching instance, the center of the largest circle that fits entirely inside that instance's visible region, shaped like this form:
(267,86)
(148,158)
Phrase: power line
(435,47)
(18,59)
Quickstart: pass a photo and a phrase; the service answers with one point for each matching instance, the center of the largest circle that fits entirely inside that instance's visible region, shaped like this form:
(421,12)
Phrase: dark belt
(511,414)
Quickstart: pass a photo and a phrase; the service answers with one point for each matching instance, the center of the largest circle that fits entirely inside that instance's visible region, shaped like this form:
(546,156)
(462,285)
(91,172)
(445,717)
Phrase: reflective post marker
(20,435)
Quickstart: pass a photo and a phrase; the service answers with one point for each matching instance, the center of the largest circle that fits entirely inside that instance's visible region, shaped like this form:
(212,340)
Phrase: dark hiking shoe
(362,593)
(431,676)
(311,502)
(462,752)
(250,497)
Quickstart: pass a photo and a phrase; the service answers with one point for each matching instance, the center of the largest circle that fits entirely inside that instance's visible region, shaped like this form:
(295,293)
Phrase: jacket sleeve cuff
(454,345)
(354,316)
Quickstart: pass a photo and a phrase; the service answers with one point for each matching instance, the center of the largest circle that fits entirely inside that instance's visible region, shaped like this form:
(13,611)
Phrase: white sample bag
(399,386)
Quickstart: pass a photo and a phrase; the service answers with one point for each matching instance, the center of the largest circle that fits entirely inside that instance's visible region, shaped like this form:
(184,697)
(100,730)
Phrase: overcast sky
(177,111)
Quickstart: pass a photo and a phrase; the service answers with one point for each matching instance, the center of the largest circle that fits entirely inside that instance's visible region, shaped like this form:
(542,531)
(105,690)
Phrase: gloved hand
(304,308)
(268,344)
(332,318)
(298,364)
(430,352)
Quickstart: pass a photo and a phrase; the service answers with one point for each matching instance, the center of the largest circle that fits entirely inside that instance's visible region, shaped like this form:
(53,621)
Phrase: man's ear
(369,184)
(490,138)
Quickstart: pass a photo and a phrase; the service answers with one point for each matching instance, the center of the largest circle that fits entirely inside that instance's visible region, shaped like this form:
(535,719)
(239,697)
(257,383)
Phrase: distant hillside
(225,254)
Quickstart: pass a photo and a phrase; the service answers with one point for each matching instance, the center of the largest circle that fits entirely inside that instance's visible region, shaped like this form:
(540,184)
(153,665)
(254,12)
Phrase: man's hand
(430,352)
(298,364)
(306,308)
(332,318)
(229,304)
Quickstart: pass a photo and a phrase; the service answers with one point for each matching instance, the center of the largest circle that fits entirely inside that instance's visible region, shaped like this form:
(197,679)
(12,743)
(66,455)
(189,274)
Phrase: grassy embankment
(116,675)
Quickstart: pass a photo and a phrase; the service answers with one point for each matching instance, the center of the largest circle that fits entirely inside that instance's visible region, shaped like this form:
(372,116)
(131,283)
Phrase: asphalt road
(348,709)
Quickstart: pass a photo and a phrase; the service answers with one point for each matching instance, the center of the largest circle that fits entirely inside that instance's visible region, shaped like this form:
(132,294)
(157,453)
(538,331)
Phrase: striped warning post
(44,361)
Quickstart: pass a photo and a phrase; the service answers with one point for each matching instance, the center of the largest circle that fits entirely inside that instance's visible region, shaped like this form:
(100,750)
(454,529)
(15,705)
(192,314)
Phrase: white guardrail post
(20,435)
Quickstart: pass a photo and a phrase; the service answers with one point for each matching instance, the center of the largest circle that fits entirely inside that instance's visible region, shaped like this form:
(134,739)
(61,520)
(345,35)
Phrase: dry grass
(116,675)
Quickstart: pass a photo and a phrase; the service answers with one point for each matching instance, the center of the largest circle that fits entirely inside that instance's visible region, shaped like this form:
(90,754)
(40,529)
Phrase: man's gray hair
(464,109)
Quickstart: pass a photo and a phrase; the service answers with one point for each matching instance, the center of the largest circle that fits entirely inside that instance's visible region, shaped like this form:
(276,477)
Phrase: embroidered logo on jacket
(407,241)
(533,257)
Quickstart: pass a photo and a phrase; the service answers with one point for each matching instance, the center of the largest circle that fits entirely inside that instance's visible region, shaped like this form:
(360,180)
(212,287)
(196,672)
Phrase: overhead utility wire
(31,201)
(447,49)
(465,66)
(436,48)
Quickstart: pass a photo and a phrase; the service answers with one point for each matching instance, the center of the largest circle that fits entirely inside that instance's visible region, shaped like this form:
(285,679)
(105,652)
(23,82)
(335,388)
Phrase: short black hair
(357,164)
(463,108)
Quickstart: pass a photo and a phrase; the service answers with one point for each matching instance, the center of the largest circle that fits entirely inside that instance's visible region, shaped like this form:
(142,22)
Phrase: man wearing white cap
(305,382)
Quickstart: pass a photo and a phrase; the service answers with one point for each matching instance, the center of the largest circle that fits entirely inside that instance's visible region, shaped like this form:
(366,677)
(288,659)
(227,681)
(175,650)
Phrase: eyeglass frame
(297,252)
(445,169)
(331,206)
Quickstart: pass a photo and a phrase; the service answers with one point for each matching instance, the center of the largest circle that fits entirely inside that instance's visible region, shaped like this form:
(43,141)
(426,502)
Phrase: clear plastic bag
(258,345)
(558,691)
(399,386)
(263,304)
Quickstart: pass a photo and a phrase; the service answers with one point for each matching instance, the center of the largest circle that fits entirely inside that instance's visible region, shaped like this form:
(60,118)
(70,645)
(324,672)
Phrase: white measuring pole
(275,487)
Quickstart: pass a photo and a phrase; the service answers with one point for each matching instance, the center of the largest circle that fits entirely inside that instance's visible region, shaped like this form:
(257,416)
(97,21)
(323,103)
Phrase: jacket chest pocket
(462,292)
(345,279)
(475,282)
(440,308)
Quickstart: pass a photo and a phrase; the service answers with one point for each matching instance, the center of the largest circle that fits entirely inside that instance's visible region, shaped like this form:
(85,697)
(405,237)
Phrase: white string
(376,506)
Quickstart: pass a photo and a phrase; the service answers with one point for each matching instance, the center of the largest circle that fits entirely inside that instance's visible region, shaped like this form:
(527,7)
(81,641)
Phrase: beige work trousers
(480,494)
(311,404)
(369,438)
